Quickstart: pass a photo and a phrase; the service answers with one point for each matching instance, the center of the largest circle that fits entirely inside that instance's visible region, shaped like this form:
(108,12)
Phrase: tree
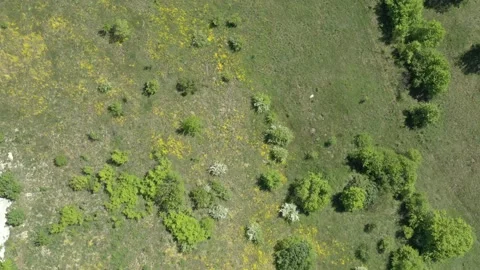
(428,33)
(311,192)
(353,198)
(407,258)
(294,253)
(422,115)
(404,15)
(447,237)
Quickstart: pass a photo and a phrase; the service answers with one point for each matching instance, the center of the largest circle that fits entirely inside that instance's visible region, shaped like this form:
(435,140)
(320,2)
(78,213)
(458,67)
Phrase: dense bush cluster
(311,192)
(407,258)
(187,230)
(353,198)
(69,215)
(278,135)
(10,187)
(278,154)
(294,253)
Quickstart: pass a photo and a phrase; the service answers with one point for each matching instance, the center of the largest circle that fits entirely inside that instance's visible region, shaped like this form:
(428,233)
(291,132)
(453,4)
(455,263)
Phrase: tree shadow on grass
(337,203)
(384,22)
(442,5)
(470,60)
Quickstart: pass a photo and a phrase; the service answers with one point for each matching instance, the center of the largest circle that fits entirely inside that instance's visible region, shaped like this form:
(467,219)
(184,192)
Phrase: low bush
(88,170)
(235,44)
(199,39)
(294,253)
(363,140)
(385,245)
(233,21)
(278,135)
(116,109)
(171,194)
(15,217)
(70,215)
(202,198)
(219,190)
(406,258)
(60,161)
(119,157)
(311,155)
(150,88)
(186,86)
(369,227)
(41,238)
(311,193)
(191,126)
(271,179)
(93,136)
(218,212)
(422,115)
(104,87)
(261,103)
(332,141)
(208,224)
(8,264)
(353,198)
(187,230)
(79,182)
(362,253)
(10,187)
(217,169)
(289,212)
(278,154)
(253,232)
(120,31)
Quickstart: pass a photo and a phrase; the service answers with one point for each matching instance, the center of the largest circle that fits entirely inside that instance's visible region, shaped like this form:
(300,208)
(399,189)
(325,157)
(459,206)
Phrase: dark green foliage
(422,115)
(233,21)
(404,15)
(278,135)
(311,192)
(118,157)
(278,154)
(443,5)
(447,237)
(79,182)
(150,88)
(10,188)
(416,211)
(294,253)
(60,161)
(208,224)
(120,31)
(271,179)
(185,229)
(407,258)
(370,227)
(235,44)
(69,216)
(428,34)
(15,217)
(385,245)
(362,253)
(171,194)
(41,238)
(104,87)
(353,198)
(470,60)
(261,102)
(192,125)
(199,39)
(219,190)
(186,86)
(201,198)
(116,109)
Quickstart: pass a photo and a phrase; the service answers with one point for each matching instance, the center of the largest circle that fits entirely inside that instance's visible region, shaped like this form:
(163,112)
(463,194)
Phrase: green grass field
(52,59)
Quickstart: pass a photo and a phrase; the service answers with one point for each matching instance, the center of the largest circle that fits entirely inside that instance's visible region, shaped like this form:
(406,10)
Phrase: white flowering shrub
(253,233)
(218,212)
(289,212)
(361,268)
(261,103)
(217,169)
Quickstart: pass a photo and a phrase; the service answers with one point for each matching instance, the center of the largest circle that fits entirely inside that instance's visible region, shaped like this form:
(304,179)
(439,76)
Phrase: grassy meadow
(52,58)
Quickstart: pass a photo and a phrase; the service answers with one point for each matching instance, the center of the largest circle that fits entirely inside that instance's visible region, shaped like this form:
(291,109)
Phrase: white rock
(4,229)
(312,96)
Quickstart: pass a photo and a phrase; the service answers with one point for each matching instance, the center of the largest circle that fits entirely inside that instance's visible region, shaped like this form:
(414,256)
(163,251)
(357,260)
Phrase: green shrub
(15,217)
(363,182)
(218,212)
(311,192)
(118,157)
(385,245)
(447,237)
(199,39)
(271,118)
(208,224)
(422,115)
(253,232)
(93,136)
(116,109)
(79,182)
(331,142)
(407,232)
(60,161)
(261,103)
(428,33)
(150,88)
(414,155)
(430,73)
(289,212)
(88,170)
(192,126)
(10,188)
(216,21)
(219,191)
(369,227)
(41,238)
(201,198)
(353,198)
(278,154)
(362,253)
(416,211)
(70,215)
(104,87)
(278,135)
(363,140)
(171,194)
(8,264)
(235,44)
(120,31)
(404,16)
(185,229)
(294,253)
(406,258)
(271,179)
(311,155)
(233,21)
(186,86)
